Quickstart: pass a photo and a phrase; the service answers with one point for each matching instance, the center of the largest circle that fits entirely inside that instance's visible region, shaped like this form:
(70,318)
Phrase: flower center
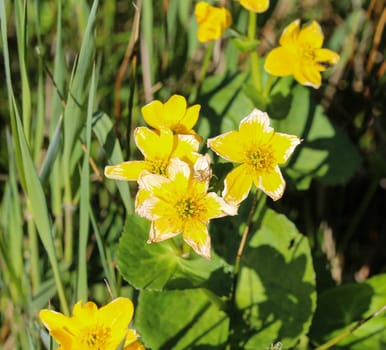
(187,208)
(95,337)
(157,166)
(308,54)
(260,159)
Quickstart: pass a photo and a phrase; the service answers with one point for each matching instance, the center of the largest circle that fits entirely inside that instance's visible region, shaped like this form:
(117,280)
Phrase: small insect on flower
(202,170)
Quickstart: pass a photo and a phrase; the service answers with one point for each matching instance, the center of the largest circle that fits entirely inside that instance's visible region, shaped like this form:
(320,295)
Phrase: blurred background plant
(74,77)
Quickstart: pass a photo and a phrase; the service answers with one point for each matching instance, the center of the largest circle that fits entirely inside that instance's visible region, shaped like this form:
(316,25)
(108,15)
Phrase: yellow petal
(237,185)
(201,11)
(117,314)
(174,110)
(290,34)
(281,61)
(84,312)
(142,194)
(272,183)
(208,32)
(131,342)
(196,235)
(179,171)
(308,75)
(282,146)
(60,327)
(185,148)
(153,145)
(227,18)
(153,114)
(326,58)
(311,35)
(134,346)
(128,171)
(52,319)
(229,146)
(212,21)
(216,207)
(164,228)
(255,5)
(152,182)
(254,128)
(191,116)
(63,338)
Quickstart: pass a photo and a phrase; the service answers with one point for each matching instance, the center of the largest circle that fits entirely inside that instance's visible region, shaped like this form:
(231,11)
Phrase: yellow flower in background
(260,150)
(258,6)
(158,148)
(173,114)
(212,21)
(301,54)
(90,328)
(180,204)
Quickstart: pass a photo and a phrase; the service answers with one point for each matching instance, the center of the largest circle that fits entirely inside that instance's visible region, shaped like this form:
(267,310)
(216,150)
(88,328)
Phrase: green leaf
(276,290)
(223,103)
(326,152)
(104,131)
(162,264)
(340,308)
(180,320)
(75,113)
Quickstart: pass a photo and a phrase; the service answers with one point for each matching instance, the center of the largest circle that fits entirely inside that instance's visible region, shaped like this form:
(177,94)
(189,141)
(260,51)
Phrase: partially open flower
(301,54)
(258,6)
(174,114)
(158,148)
(212,21)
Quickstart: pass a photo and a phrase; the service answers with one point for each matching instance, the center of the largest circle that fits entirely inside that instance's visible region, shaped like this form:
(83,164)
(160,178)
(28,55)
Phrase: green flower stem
(255,209)
(256,74)
(350,331)
(268,85)
(205,63)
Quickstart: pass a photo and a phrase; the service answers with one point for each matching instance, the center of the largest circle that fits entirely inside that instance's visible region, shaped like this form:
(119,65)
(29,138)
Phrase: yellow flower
(300,54)
(212,21)
(260,150)
(90,328)
(180,204)
(173,114)
(158,149)
(258,6)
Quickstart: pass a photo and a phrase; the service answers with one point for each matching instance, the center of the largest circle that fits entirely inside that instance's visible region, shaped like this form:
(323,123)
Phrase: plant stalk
(350,331)
(256,74)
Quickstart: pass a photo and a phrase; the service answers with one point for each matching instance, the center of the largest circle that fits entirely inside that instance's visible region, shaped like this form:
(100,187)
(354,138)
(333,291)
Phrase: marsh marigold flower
(301,54)
(212,21)
(260,150)
(180,204)
(174,114)
(158,148)
(258,6)
(91,328)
